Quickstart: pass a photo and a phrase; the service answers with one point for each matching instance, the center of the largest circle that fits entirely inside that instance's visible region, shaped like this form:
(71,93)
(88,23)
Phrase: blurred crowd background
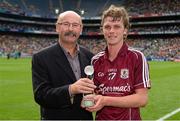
(21,37)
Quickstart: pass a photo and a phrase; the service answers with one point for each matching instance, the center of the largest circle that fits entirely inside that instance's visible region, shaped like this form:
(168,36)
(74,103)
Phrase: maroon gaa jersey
(120,77)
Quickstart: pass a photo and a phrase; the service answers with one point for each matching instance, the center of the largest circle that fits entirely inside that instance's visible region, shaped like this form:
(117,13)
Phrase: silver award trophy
(87,98)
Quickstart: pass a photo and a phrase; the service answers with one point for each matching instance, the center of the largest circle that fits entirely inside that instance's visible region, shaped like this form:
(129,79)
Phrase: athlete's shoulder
(97,57)
(135,53)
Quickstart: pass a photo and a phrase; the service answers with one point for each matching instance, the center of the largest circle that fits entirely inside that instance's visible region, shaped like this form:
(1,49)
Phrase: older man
(57,73)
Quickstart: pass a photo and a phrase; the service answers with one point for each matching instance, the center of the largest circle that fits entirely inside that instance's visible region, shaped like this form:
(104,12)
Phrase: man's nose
(70,27)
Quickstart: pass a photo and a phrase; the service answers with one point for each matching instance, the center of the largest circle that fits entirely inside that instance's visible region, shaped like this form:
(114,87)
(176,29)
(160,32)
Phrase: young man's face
(113,30)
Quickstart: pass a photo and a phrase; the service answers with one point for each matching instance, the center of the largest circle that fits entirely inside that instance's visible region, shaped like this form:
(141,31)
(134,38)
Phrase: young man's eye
(117,27)
(107,27)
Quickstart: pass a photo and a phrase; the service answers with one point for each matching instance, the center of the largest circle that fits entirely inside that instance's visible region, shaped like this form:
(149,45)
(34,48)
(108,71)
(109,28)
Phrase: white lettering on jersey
(114,89)
(100,74)
(112,70)
(112,73)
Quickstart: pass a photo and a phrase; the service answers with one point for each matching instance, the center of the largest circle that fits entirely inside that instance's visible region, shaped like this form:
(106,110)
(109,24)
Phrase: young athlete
(121,73)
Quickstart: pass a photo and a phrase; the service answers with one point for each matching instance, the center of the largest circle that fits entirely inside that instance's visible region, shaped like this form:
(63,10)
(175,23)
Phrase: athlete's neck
(113,50)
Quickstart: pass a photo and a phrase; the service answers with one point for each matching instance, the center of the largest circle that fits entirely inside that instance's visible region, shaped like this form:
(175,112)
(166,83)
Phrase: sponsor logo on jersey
(100,74)
(124,73)
(114,89)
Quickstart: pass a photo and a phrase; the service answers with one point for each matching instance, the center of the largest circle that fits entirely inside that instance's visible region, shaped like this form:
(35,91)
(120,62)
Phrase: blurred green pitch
(16,95)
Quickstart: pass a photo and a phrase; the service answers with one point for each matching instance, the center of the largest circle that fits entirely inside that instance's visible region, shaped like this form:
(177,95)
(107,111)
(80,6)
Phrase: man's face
(113,30)
(69,28)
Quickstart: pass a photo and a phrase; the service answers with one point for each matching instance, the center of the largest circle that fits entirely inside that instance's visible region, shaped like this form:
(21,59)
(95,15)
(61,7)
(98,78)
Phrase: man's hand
(83,85)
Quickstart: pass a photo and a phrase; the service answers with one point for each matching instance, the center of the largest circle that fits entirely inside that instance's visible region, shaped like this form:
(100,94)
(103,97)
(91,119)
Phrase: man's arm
(55,97)
(44,93)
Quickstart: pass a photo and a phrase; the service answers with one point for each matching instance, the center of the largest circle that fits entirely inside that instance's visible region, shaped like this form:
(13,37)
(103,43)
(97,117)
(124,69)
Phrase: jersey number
(111,76)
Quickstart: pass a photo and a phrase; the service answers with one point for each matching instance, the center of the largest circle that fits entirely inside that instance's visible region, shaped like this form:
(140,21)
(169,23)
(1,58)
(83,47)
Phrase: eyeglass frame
(67,24)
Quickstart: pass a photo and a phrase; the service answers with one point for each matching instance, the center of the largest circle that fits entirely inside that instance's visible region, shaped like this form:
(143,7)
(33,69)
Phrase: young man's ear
(101,29)
(125,33)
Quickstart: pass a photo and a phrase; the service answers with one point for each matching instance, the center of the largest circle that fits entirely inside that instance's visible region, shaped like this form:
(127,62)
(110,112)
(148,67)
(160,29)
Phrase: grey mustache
(70,33)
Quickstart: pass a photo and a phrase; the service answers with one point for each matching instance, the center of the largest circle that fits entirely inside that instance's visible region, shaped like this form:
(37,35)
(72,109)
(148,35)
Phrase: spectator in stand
(151,47)
(58,73)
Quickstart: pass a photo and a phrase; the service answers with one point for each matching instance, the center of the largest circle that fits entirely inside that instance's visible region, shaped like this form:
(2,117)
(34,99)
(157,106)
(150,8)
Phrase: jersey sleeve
(94,62)
(95,75)
(142,72)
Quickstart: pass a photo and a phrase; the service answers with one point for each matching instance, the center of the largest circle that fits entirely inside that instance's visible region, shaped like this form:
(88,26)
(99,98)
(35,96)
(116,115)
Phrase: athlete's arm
(139,99)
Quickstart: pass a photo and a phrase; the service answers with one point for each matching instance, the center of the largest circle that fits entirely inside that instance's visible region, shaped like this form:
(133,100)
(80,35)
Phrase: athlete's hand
(99,103)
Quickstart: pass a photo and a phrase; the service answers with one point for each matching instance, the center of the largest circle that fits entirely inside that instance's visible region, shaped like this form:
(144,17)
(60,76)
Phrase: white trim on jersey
(96,57)
(130,113)
(133,51)
(145,72)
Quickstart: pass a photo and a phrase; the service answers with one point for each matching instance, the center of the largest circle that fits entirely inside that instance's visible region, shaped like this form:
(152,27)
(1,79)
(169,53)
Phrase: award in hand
(87,98)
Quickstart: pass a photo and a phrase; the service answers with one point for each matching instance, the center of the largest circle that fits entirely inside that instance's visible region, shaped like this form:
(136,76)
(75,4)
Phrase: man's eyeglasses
(67,25)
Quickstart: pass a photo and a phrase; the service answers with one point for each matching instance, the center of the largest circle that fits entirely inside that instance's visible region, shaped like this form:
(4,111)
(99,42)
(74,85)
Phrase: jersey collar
(122,51)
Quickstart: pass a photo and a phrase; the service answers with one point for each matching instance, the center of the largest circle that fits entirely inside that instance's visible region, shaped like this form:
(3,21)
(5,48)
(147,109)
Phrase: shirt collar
(121,52)
(67,53)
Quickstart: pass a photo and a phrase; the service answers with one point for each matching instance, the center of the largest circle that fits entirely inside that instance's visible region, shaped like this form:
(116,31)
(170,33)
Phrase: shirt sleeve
(142,72)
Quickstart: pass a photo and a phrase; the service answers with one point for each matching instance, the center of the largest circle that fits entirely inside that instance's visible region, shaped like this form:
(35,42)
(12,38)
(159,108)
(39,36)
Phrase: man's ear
(81,29)
(57,27)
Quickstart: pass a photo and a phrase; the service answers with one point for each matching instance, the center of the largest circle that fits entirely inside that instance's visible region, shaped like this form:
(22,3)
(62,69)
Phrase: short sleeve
(142,72)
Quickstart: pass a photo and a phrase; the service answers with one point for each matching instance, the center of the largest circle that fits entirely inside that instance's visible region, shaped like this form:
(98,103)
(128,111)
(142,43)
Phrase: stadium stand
(28,26)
